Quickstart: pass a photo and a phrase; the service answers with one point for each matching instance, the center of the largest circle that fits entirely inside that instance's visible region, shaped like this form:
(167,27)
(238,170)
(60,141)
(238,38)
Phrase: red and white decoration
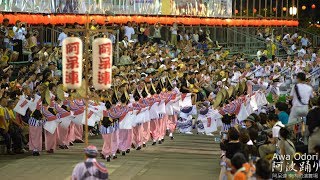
(72,49)
(102,63)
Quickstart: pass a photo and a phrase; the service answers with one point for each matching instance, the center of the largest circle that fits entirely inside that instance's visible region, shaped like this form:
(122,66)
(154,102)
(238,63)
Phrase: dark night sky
(308,13)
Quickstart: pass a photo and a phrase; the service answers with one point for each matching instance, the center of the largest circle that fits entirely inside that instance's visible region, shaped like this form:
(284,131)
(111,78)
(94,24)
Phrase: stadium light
(293,11)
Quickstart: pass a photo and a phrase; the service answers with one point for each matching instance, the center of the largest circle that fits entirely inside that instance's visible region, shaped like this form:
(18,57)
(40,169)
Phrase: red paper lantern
(256,22)
(303,7)
(138,19)
(277,23)
(206,21)
(313,6)
(228,22)
(126,19)
(46,19)
(155,20)
(198,21)
(240,22)
(39,19)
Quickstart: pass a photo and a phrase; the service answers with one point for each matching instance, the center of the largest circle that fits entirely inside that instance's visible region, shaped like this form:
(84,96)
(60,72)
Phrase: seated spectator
(287,147)
(270,148)
(248,147)
(281,111)
(257,120)
(313,124)
(125,59)
(263,170)
(232,145)
(251,127)
(241,168)
(263,120)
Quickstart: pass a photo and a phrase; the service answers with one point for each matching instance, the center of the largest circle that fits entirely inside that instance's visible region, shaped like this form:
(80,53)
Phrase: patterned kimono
(50,137)
(36,122)
(185,119)
(106,132)
(116,112)
(62,130)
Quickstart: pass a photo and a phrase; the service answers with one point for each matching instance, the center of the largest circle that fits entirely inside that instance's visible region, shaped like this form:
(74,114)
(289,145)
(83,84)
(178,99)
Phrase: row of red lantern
(82,19)
(51,19)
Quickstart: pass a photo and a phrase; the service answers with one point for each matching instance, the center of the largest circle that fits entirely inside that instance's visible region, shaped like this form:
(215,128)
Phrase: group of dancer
(127,115)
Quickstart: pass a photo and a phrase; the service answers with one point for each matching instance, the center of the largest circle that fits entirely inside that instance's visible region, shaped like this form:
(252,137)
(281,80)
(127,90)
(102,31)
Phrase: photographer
(273,121)
(301,94)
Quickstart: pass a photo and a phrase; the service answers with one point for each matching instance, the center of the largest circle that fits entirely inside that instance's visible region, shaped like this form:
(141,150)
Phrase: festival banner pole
(86,129)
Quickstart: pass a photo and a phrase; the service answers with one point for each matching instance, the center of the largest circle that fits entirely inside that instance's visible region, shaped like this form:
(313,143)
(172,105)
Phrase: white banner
(102,63)
(22,106)
(72,49)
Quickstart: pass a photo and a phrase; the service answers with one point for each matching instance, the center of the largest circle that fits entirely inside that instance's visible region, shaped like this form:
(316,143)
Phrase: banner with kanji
(72,50)
(102,63)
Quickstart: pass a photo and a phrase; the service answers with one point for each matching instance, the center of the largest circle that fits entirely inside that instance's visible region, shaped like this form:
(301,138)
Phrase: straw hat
(218,100)
(60,93)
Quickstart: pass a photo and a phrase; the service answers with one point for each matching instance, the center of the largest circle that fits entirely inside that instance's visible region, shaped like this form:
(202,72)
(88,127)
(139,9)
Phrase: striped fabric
(116,112)
(47,114)
(108,130)
(75,108)
(136,106)
(226,127)
(61,113)
(34,122)
(115,125)
(79,103)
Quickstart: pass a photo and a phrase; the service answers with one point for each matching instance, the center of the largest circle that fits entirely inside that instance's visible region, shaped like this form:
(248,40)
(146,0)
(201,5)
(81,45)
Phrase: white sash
(65,122)
(162,107)
(153,112)
(253,103)
(169,108)
(128,120)
(175,106)
(50,126)
(243,114)
(186,102)
(78,118)
(91,120)
(34,102)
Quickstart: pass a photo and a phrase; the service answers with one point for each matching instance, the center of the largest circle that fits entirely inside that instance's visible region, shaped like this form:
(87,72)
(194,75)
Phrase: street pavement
(187,157)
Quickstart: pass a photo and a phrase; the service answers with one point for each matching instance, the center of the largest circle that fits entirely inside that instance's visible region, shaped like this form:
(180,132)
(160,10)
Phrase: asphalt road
(187,157)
